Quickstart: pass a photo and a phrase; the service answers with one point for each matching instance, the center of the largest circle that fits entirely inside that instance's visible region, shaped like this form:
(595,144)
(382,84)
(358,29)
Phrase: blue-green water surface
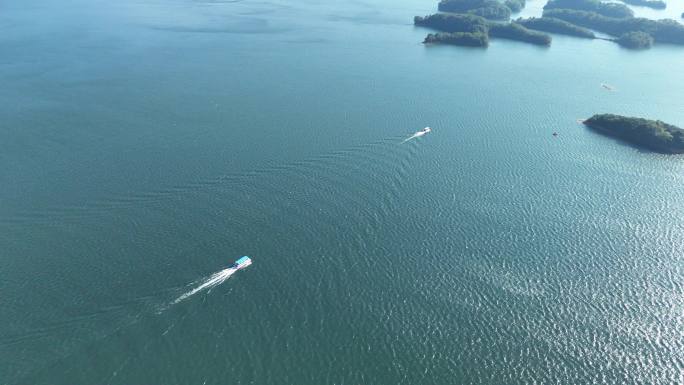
(146,144)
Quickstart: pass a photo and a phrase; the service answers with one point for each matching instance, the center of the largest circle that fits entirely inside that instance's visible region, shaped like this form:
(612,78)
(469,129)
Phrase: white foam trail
(215,280)
(418,134)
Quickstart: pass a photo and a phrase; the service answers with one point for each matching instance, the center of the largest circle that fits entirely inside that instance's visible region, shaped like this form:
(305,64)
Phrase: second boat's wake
(418,134)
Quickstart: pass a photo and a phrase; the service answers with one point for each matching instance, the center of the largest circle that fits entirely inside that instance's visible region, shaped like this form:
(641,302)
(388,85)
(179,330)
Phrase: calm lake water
(146,144)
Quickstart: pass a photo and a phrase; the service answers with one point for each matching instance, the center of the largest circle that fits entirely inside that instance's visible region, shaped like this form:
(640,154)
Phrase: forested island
(652,134)
(468,29)
(476,21)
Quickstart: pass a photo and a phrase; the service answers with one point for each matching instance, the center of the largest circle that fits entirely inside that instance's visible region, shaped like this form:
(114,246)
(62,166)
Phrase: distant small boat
(555,134)
(242,263)
(606,86)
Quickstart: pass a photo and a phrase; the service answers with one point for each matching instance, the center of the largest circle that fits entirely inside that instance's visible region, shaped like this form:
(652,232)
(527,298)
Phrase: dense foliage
(515,5)
(453,23)
(496,11)
(654,134)
(490,9)
(467,39)
(553,25)
(662,31)
(604,9)
(636,40)
(515,31)
(655,4)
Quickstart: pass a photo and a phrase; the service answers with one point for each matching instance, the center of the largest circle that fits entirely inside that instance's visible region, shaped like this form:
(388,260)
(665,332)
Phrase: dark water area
(146,145)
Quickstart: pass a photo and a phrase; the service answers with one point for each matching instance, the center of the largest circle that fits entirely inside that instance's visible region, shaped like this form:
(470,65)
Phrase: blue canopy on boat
(242,260)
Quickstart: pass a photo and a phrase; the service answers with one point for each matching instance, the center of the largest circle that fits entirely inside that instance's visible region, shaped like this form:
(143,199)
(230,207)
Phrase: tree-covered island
(652,134)
(479,30)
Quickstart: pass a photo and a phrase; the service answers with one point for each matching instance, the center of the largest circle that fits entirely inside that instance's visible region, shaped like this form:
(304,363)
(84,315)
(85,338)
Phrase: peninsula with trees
(652,134)
(553,25)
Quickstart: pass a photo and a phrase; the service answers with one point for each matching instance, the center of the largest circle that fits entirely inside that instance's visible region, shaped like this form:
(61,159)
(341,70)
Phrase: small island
(652,134)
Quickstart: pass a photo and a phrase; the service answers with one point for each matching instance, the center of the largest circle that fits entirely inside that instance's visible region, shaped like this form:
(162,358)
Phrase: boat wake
(418,134)
(213,281)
